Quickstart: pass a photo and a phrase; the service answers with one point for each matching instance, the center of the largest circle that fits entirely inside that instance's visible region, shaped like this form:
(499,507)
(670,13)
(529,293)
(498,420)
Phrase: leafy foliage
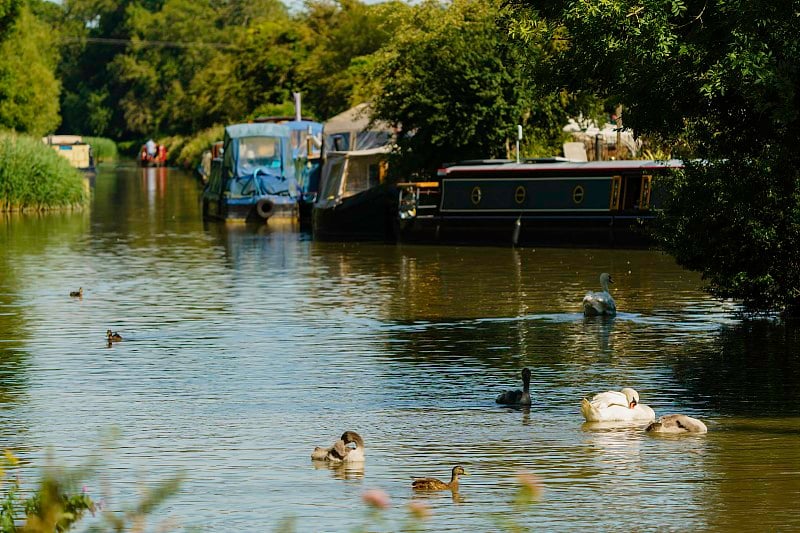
(28,86)
(719,78)
(458,87)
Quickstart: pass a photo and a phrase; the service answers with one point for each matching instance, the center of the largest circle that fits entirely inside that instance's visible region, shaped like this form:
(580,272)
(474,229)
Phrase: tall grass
(104,149)
(34,177)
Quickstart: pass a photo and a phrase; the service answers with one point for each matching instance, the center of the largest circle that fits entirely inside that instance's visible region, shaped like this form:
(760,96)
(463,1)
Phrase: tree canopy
(716,81)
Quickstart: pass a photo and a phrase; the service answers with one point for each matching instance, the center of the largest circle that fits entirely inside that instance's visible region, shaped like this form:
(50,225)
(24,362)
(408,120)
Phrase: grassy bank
(33,177)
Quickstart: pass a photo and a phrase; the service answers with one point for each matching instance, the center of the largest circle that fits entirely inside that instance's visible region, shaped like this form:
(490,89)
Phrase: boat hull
(365,216)
(596,204)
(258,210)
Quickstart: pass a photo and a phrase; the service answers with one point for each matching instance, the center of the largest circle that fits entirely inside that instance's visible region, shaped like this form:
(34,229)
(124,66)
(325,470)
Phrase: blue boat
(255,178)
(307,155)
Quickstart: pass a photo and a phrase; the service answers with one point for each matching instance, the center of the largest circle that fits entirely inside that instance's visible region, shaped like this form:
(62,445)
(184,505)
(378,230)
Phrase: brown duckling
(77,294)
(341,452)
(113,336)
(429,483)
(518,397)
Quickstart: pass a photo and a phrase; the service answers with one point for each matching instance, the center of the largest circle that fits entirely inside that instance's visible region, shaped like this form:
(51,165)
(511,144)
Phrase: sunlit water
(244,347)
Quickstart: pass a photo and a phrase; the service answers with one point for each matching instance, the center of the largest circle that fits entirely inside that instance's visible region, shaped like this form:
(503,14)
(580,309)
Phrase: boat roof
(237,131)
(555,164)
(355,119)
(63,139)
(386,149)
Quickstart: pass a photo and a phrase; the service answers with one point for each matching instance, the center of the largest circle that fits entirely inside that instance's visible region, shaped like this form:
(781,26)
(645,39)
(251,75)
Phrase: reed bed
(33,177)
(104,149)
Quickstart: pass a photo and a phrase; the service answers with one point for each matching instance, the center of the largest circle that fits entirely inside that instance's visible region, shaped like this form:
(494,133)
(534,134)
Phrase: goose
(113,336)
(677,424)
(77,294)
(430,483)
(615,406)
(600,303)
(518,397)
(340,452)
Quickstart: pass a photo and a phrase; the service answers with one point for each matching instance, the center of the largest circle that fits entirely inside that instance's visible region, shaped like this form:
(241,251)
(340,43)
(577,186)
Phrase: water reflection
(235,332)
(345,471)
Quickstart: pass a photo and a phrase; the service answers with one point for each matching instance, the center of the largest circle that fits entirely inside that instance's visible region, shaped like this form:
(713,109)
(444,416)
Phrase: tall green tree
(28,86)
(343,35)
(722,77)
(457,86)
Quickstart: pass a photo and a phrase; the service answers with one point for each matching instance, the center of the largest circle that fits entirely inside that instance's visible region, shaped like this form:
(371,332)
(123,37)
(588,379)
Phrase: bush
(34,177)
(192,152)
(103,149)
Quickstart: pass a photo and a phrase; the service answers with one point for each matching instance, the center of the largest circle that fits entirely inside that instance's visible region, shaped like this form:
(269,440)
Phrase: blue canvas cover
(257,161)
(306,152)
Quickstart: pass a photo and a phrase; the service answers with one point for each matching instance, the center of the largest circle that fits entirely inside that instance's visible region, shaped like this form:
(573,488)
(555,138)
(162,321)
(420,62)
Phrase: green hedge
(34,177)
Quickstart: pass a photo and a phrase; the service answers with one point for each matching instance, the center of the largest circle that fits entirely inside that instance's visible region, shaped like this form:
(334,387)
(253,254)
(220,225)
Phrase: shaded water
(244,347)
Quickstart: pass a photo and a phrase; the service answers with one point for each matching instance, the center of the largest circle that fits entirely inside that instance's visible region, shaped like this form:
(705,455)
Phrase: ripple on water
(246,347)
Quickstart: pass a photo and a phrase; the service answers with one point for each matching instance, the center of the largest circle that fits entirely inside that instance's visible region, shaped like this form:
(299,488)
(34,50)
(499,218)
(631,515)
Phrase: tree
(28,87)
(458,86)
(722,78)
(342,35)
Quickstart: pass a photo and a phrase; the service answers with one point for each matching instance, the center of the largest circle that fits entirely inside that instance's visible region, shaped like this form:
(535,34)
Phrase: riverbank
(33,177)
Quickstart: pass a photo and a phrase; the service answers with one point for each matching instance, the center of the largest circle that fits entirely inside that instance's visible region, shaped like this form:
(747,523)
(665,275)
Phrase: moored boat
(254,180)
(76,151)
(553,202)
(356,201)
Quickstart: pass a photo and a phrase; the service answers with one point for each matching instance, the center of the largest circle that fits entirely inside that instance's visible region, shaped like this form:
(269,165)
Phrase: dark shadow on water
(751,369)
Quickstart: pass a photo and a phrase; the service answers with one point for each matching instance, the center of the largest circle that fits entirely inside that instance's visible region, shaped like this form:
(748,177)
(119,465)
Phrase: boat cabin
(543,202)
(255,178)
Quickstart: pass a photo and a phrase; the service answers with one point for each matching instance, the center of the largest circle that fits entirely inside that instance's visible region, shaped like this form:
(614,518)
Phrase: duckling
(677,424)
(429,483)
(518,397)
(77,294)
(340,452)
(113,336)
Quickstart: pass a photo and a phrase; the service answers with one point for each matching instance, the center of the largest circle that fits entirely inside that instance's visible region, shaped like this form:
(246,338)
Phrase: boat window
(644,200)
(337,142)
(631,192)
(259,153)
(362,173)
(332,177)
(616,193)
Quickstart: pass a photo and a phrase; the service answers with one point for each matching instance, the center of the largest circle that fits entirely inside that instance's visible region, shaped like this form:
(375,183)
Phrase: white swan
(613,406)
(340,452)
(518,397)
(677,424)
(600,303)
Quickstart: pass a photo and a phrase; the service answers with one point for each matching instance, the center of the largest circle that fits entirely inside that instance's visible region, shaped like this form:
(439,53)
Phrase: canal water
(245,347)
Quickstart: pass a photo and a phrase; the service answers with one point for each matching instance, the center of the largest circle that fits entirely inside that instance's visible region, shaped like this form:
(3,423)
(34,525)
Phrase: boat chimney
(519,138)
(298,115)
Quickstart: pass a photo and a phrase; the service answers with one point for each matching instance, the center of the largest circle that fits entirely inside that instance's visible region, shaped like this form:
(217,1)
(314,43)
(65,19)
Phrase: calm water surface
(247,346)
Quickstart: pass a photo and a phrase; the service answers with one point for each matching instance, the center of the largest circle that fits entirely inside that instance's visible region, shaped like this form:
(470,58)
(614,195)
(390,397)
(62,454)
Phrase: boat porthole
(519,194)
(577,194)
(476,195)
